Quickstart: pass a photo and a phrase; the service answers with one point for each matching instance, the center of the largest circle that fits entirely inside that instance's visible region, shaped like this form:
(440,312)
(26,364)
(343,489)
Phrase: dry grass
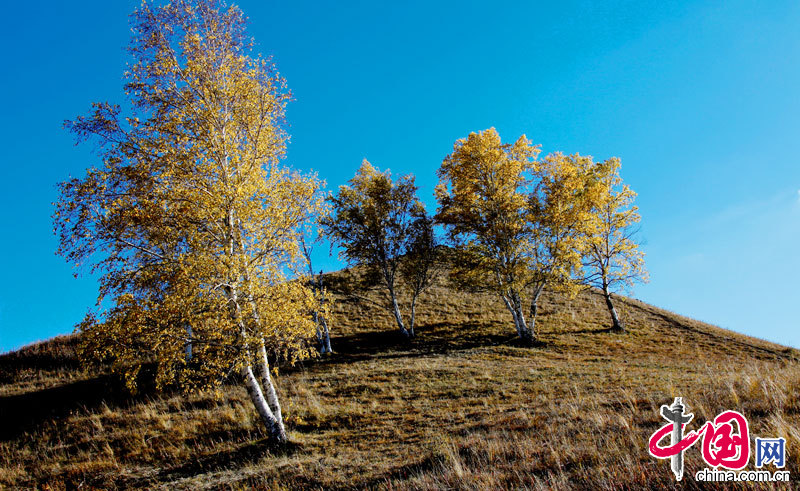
(464,406)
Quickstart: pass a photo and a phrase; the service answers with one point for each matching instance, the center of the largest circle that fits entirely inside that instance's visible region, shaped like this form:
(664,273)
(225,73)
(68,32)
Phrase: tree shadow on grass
(248,453)
(438,338)
(23,412)
(405,472)
(589,331)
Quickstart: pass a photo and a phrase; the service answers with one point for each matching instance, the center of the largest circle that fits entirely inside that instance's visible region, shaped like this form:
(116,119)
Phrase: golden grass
(463,406)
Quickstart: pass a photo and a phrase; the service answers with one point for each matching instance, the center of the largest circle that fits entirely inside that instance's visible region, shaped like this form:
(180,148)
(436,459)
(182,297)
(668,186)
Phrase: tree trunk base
(528,338)
(407,335)
(616,323)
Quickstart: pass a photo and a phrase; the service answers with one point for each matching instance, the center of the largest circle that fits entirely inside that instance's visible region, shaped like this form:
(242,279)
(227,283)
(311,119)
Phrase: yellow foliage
(483,194)
(613,259)
(518,223)
(192,220)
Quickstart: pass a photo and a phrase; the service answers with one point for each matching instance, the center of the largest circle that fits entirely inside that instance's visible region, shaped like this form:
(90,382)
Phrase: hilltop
(462,406)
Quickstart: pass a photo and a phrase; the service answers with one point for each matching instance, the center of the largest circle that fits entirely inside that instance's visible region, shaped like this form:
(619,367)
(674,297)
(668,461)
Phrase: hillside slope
(462,406)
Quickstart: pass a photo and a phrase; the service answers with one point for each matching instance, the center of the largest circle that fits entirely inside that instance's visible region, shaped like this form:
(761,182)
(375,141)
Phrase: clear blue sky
(700,100)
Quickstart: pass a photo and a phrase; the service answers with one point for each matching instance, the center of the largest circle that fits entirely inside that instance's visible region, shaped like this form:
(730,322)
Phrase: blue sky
(700,100)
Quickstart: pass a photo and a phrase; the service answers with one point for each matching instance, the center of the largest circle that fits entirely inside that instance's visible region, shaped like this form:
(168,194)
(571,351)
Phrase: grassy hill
(462,406)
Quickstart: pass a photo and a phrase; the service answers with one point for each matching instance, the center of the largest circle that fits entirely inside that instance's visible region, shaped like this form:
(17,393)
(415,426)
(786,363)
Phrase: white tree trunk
(514,306)
(323,334)
(325,344)
(513,313)
(268,387)
(527,333)
(320,333)
(617,324)
(263,396)
(397,316)
(188,342)
(274,426)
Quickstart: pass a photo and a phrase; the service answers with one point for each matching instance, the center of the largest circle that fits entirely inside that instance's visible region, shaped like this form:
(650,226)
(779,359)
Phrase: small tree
(612,259)
(320,313)
(421,263)
(380,224)
(191,219)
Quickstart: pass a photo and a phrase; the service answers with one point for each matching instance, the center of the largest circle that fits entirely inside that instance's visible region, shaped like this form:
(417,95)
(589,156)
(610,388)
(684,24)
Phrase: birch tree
(566,190)
(320,313)
(191,219)
(517,224)
(378,222)
(421,263)
(612,260)
(483,194)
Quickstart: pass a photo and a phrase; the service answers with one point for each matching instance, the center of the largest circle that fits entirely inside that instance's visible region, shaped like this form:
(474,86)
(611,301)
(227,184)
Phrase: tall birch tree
(483,194)
(192,220)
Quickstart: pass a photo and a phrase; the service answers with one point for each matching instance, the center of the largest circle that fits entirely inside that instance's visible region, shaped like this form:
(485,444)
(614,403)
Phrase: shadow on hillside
(227,459)
(435,338)
(13,363)
(597,330)
(56,354)
(23,412)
